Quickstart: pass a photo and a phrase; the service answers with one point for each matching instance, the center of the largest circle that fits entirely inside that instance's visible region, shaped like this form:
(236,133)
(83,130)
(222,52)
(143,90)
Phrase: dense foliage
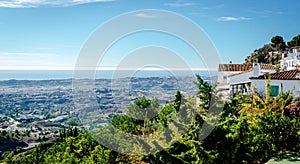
(294,42)
(250,129)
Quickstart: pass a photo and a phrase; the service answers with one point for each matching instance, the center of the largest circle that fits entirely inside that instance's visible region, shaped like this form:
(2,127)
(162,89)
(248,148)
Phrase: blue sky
(48,34)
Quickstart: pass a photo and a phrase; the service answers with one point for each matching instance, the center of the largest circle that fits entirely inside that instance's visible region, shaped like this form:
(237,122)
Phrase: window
(274,91)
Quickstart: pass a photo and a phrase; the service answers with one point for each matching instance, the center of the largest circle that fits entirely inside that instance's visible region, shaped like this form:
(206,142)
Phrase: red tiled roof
(243,67)
(267,66)
(235,67)
(286,75)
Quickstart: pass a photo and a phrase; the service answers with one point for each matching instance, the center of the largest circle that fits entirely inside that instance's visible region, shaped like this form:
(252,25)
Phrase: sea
(100,74)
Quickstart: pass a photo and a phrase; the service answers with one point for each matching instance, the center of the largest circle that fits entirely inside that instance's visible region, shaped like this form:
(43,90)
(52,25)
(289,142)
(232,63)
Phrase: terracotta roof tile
(267,66)
(235,67)
(243,67)
(286,75)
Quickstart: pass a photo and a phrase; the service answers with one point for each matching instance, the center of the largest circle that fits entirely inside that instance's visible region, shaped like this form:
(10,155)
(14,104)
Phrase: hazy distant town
(41,109)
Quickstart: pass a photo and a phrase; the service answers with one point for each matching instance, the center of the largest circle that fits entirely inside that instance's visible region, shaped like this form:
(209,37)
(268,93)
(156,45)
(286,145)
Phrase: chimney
(256,69)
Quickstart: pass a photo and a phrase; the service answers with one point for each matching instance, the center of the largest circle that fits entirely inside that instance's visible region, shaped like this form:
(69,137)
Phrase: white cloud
(143,15)
(38,3)
(213,7)
(180,3)
(225,19)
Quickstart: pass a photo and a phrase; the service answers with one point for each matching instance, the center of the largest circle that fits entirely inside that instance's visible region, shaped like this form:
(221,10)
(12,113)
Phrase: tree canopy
(294,42)
(278,43)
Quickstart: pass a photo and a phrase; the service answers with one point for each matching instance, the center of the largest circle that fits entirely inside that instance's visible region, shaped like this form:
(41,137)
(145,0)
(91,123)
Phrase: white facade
(223,77)
(291,61)
(238,83)
(283,85)
(230,77)
(237,79)
(240,78)
(266,71)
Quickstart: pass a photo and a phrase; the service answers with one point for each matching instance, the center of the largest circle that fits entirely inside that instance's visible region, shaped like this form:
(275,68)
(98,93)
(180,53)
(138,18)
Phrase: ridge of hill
(272,53)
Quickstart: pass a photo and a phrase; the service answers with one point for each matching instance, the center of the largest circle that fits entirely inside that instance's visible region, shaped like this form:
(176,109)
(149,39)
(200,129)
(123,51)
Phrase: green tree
(205,92)
(278,43)
(100,155)
(277,67)
(294,42)
(177,100)
(126,124)
(143,108)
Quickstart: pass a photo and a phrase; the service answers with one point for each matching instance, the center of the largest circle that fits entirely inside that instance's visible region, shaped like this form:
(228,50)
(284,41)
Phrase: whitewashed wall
(263,71)
(293,85)
(221,77)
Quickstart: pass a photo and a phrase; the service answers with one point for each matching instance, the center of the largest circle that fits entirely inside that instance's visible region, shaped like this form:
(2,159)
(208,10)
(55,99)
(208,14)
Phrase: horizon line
(31,68)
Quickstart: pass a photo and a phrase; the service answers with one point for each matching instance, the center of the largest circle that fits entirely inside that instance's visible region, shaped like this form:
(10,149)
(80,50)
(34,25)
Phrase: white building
(291,61)
(234,78)
(280,82)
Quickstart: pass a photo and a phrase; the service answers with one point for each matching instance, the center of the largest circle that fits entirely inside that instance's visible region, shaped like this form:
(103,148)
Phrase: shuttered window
(274,91)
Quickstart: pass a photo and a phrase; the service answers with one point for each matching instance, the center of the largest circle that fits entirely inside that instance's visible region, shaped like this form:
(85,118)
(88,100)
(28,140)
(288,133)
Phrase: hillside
(9,143)
(272,52)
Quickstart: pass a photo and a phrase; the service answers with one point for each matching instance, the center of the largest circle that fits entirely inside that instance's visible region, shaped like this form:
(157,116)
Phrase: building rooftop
(243,67)
(285,75)
(234,67)
(267,66)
